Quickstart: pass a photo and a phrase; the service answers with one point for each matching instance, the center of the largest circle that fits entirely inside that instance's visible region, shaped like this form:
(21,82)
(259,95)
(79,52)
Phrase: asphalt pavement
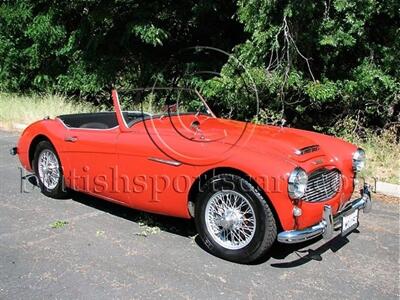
(86,248)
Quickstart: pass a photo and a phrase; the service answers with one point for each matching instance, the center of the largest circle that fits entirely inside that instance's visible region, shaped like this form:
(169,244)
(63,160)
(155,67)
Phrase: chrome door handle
(71,139)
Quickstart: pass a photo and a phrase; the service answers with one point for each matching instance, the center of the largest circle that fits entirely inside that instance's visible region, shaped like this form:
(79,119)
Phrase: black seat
(100,120)
(94,125)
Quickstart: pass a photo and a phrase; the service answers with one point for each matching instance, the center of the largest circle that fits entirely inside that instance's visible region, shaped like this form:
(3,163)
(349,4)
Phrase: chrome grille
(322,185)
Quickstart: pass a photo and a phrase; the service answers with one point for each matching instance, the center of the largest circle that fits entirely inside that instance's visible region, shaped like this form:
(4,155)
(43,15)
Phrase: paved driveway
(106,251)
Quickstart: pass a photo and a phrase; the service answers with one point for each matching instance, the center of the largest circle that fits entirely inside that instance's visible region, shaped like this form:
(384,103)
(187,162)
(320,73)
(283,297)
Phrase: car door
(91,155)
(148,179)
(152,181)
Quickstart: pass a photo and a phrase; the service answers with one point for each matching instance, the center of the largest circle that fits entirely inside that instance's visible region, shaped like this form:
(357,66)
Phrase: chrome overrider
(329,222)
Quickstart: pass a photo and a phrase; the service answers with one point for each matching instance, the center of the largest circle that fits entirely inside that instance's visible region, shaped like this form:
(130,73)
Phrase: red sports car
(245,185)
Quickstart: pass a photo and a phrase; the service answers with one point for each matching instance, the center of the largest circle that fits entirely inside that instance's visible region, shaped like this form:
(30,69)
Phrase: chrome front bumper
(329,222)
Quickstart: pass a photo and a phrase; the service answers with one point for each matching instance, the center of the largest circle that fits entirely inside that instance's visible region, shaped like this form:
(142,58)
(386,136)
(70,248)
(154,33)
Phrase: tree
(84,47)
(316,63)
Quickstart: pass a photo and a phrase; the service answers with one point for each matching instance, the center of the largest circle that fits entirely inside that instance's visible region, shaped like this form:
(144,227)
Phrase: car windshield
(153,102)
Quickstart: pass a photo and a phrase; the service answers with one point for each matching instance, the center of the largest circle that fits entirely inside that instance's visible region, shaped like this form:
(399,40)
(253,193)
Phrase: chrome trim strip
(328,223)
(165,161)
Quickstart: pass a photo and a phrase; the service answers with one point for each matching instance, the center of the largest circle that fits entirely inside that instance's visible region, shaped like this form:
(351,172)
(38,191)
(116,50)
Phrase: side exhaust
(14,151)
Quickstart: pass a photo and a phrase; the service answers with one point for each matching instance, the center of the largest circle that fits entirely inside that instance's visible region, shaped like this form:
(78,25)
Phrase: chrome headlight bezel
(358,160)
(297,183)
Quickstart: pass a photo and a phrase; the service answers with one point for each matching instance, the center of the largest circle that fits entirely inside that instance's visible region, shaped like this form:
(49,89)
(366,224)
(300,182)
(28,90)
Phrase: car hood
(215,137)
(291,143)
(288,143)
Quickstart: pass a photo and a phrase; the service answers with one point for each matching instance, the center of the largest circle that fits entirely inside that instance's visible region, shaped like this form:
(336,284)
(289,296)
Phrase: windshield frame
(204,102)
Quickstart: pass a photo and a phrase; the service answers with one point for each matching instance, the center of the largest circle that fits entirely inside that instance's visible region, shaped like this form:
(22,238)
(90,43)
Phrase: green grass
(58,224)
(23,110)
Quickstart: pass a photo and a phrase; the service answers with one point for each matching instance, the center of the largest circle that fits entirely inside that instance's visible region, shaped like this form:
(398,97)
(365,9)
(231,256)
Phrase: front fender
(271,177)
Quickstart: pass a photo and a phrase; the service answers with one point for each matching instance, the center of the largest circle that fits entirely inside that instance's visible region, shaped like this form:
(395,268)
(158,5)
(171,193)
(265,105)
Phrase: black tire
(265,230)
(59,191)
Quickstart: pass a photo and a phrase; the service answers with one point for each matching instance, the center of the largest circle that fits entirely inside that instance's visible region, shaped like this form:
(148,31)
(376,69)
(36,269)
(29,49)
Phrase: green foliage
(312,62)
(321,92)
(58,224)
(318,62)
(83,48)
(150,34)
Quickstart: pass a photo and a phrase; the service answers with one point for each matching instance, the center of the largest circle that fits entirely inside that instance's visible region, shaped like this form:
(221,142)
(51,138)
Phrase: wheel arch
(32,147)
(200,181)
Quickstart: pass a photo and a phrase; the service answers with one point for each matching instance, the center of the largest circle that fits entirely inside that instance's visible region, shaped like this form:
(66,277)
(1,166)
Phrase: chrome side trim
(328,223)
(165,161)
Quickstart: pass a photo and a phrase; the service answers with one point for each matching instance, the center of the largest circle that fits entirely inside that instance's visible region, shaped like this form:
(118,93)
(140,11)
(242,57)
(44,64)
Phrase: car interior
(101,120)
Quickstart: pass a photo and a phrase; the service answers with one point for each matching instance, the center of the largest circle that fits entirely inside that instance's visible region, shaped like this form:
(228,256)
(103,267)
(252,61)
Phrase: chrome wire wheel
(48,169)
(230,219)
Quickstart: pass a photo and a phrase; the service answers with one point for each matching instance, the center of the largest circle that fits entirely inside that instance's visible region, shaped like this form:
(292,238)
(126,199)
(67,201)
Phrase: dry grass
(16,110)
(383,155)
(386,199)
(383,152)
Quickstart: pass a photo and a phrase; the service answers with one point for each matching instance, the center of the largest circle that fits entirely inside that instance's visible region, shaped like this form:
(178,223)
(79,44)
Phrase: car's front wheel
(234,220)
(48,171)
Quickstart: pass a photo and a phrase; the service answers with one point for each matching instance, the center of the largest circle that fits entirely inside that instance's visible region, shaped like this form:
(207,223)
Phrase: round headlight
(358,160)
(297,183)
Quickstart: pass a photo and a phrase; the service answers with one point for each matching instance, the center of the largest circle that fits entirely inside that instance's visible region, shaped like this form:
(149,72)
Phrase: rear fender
(51,130)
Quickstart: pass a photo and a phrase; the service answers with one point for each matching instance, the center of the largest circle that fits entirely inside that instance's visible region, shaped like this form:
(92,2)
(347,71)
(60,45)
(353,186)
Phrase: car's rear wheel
(234,220)
(48,170)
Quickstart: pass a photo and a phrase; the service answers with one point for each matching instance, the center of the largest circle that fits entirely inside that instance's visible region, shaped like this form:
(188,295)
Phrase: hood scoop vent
(308,149)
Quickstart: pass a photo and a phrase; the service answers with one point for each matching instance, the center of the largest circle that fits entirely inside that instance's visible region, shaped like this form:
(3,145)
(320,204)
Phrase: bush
(312,63)
(383,153)
(318,63)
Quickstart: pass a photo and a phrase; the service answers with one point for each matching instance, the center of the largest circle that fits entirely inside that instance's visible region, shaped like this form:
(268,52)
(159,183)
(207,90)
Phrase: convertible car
(245,185)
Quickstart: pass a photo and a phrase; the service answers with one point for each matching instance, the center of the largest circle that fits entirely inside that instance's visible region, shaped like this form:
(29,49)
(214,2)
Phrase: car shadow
(178,226)
(305,252)
(186,228)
